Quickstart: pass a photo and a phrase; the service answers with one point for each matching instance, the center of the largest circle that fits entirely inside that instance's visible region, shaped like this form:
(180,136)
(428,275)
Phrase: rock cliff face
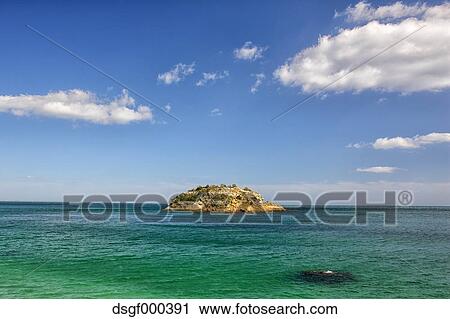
(222,198)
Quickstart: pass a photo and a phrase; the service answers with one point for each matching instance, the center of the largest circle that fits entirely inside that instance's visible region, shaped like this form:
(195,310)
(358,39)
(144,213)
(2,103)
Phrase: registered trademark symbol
(405,198)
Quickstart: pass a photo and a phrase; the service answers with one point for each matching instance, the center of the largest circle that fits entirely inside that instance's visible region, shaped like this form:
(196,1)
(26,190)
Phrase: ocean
(42,256)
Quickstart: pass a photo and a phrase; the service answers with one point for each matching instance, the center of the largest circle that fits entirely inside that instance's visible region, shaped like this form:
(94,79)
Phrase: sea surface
(42,256)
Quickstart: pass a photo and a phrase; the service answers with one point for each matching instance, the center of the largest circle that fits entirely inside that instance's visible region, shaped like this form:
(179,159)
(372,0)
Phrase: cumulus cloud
(77,105)
(178,73)
(212,77)
(357,145)
(168,107)
(419,63)
(364,11)
(378,169)
(259,79)
(249,51)
(215,112)
(410,142)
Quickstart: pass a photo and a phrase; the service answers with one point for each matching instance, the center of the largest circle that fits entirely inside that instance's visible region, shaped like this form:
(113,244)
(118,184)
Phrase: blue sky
(225,133)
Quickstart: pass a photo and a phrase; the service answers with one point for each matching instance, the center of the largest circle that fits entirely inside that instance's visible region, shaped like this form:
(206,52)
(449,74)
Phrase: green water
(42,256)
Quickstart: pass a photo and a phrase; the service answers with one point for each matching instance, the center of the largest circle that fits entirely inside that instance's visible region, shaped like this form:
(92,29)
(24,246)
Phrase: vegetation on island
(222,198)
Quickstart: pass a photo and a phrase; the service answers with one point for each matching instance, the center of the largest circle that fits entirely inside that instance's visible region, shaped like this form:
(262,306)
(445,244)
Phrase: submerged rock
(222,198)
(325,276)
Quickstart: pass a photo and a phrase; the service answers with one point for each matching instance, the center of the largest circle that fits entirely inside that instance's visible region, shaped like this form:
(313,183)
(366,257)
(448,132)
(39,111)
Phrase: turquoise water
(42,256)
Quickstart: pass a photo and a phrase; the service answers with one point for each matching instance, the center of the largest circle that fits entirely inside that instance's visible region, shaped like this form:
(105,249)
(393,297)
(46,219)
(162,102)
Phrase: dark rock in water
(325,276)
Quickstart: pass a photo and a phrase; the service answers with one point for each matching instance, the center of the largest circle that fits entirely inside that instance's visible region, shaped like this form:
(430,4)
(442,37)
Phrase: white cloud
(419,63)
(178,73)
(168,107)
(357,145)
(364,11)
(249,51)
(259,79)
(212,77)
(215,112)
(378,169)
(411,142)
(77,105)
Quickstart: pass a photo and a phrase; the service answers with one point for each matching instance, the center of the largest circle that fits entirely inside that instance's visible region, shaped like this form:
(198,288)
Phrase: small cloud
(212,77)
(378,169)
(418,141)
(259,79)
(215,112)
(167,107)
(364,11)
(411,142)
(249,52)
(381,100)
(357,145)
(178,73)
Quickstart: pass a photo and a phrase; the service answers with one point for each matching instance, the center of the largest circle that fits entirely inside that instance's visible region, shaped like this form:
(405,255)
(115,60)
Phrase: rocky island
(222,198)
